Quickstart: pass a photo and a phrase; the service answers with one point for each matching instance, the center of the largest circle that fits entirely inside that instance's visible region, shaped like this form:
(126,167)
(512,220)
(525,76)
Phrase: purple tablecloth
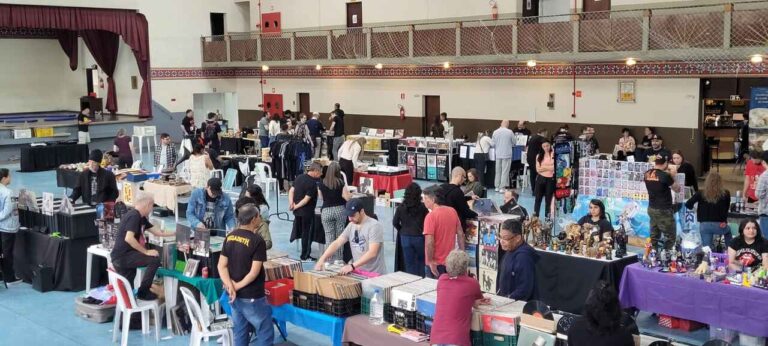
(717,304)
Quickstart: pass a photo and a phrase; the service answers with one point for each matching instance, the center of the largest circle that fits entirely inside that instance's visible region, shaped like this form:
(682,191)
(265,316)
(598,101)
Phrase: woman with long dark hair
(200,167)
(712,210)
(749,249)
(685,167)
(255,192)
(409,223)
(335,195)
(545,179)
(601,323)
(596,217)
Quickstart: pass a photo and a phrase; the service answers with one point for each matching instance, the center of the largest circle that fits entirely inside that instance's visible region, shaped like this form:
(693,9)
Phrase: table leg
(170,298)
(88,266)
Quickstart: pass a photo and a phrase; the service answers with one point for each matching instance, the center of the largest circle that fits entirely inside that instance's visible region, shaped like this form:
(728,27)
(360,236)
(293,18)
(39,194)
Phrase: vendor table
(44,158)
(726,306)
(67,257)
(359,331)
(79,224)
(563,281)
(210,289)
(232,144)
(67,178)
(390,183)
(318,322)
(166,195)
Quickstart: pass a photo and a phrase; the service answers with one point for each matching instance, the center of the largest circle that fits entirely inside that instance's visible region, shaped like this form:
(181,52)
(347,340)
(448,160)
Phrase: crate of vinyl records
(425,311)
(339,296)
(478,312)
(404,301)
(305,288)
(281,268)
(384,283)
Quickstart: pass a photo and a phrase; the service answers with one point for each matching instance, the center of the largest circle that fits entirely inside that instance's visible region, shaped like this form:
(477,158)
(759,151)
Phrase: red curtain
(68,42)
(128,24)
(104,46)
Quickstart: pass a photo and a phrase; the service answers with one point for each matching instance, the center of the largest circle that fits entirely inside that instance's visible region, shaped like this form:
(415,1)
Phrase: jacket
(517,277)
(224,213)
(453,197)
(105,183)
(9,214)
(170,157)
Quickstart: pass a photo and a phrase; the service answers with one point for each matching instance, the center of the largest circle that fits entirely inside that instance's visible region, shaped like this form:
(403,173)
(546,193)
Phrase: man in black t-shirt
(660,185)
(657,150)
(302,199)
(83,119)
(129,251)
(241,270)
(188,124)
(211,129)
(337,125)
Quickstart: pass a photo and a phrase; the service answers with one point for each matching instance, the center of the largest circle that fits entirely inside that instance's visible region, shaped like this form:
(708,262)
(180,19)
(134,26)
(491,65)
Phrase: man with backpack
(211,132)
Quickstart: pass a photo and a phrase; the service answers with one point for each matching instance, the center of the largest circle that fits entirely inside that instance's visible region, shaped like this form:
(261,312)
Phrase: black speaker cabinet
(42,279)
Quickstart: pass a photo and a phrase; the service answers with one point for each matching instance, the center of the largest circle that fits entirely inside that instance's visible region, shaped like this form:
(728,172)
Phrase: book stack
(385,284)
(404,297)
(281,267)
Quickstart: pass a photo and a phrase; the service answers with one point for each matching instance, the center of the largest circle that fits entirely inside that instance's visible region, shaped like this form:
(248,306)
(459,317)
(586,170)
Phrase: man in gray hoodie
(503,142)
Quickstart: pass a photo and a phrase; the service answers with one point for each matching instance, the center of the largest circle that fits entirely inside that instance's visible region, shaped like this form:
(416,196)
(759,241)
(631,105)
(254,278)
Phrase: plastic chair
(217,173)
(150,132)
(264,174)
(352,189)
(524,179)
(200,327)
(127,305)
(228,184)
(136,164)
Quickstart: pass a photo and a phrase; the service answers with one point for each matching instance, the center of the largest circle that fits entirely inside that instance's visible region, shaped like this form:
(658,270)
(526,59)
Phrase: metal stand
(277,208)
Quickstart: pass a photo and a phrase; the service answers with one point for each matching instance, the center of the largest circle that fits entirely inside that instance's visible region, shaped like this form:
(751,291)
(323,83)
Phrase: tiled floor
(28,317)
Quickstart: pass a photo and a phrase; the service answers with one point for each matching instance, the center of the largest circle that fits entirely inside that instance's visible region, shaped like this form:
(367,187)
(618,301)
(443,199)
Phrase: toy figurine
(648,250)
(652,258)
(621,243)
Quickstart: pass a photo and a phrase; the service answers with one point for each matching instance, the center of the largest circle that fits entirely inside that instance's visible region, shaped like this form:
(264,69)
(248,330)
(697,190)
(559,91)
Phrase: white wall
(660,102)
(36,77)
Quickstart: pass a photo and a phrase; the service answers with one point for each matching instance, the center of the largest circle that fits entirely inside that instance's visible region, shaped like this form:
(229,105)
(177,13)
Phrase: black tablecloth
(232,145)
(67,257)
(79,225)
(564,281)
(44,158)
(67,178)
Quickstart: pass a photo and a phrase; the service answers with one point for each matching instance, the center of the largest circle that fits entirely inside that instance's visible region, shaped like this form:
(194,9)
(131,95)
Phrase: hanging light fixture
(756,59)
(318,67)
(446,64)
(264,68)
(379,66)
(531,63)
(631,62)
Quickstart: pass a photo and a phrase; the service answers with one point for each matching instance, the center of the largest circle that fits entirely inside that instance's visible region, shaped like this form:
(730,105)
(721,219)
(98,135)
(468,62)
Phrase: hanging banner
(758,118)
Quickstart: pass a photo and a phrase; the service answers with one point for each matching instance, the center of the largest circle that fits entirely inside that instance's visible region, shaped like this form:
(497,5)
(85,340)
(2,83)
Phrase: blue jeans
(256,313)
(264,141)
(709,229)
(440,270)
(413,253)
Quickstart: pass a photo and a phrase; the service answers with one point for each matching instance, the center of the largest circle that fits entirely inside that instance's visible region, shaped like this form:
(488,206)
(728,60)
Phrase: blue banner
(632,214)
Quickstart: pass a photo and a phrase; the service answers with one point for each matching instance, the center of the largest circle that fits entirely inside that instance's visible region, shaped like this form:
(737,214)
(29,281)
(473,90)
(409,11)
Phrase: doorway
(304,104)
(431,113)
(217,24)
(354,14)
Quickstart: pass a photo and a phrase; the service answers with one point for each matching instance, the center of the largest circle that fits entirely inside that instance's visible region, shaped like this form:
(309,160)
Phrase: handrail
(640,10)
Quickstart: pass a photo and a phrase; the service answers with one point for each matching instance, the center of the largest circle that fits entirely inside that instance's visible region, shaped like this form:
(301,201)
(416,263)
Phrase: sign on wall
(758,118)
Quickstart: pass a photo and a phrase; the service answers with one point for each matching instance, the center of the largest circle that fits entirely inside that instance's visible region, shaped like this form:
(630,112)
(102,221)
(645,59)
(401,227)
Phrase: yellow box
(43,132)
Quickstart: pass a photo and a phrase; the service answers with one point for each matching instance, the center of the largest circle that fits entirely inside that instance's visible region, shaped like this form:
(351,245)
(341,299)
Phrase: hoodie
(517,279)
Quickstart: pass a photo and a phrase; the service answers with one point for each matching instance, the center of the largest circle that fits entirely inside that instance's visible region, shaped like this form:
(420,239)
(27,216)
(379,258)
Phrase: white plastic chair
(127,305)
(217,173)
(523,180)
(200,327)
(136,164)
(352,189)
(265,179)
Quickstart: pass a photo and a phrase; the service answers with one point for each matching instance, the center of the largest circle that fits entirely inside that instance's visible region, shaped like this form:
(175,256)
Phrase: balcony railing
(712,32)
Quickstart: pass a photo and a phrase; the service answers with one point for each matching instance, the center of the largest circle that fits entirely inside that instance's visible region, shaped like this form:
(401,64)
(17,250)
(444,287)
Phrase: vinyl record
(564,323)
(538,309)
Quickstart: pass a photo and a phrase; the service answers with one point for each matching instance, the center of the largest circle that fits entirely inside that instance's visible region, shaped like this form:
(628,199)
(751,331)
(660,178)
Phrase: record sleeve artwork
(489,255)
(563,169)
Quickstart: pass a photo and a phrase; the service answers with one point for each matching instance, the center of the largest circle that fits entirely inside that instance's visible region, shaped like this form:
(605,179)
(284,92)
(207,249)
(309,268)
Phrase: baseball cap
(655,136)
(353,206)
(215,185)
(660,160)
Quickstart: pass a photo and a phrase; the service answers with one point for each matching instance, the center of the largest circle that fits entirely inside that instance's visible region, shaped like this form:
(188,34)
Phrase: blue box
(135,178)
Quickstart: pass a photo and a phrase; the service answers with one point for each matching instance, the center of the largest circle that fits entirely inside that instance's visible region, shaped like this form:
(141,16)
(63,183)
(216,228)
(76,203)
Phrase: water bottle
(739,206)
(376,313)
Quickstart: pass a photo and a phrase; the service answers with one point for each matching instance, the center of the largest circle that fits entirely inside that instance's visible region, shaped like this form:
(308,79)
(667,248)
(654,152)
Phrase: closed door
(530,8)
(354,14)
(431,113)
(597,5)
(304,104)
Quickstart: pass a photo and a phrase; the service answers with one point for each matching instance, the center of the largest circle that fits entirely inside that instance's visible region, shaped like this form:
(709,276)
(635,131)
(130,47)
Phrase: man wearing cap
(659,184)
(761,192)
(442,230)
(302,199)
(517,270)
(95,184)
(657,150)
(366,237)
(210,209)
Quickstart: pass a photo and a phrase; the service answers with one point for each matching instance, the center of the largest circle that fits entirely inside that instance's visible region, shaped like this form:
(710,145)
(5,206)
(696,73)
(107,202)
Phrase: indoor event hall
(384,172)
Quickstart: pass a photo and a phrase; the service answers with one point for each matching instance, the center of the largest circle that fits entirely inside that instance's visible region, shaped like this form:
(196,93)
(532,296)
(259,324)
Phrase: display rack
(427,158)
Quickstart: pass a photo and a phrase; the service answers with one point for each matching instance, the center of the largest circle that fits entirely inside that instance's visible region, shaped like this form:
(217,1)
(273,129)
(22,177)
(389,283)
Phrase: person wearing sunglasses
(366,237)
(517,275)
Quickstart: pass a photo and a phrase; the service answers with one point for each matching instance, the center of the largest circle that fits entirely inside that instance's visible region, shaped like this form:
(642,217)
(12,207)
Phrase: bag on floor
(94,313)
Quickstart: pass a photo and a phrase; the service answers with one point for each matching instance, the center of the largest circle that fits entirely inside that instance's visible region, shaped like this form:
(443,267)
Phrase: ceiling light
(756,59)
(264,68)
(379,66)
(631,62)
(531,63)
(446,64)
(318,67)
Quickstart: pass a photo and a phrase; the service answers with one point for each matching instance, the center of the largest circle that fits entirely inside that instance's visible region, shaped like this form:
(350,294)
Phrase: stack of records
(339,287)
(307,281)
(404,297)
(477,312)
(503,320)
(272,254)
(385,284)
(426,303)
(281,267)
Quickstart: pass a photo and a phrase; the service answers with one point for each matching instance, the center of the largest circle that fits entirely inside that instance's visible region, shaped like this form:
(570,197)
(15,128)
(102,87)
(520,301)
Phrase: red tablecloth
(390,183)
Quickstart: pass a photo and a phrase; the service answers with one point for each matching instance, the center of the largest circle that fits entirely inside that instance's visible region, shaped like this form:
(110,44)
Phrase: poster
(758,118)
(627,91)
(633,215)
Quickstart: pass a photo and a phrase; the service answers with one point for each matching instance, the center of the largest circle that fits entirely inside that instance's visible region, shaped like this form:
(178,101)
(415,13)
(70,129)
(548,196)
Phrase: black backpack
(210,131)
